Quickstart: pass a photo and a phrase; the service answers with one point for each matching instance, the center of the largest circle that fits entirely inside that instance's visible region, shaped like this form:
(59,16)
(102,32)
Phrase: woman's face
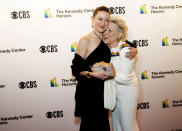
(101,21)
(111,35)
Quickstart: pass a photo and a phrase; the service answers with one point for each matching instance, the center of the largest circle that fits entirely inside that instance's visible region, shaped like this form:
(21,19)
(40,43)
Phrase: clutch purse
(104,67)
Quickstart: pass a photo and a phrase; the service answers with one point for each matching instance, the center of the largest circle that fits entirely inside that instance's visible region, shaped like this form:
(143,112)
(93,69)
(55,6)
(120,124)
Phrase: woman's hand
(99,75)
(132,53)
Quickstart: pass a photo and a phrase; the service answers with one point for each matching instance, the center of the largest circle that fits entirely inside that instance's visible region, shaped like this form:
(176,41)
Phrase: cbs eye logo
(43,49)
(49,49)
(54,114)
(28,84)
(141,43)
(14,15)
(143,105)
(20,14)
(117,10)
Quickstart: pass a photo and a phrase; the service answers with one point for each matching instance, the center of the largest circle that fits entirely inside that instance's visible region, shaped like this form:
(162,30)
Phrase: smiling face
(100,21)
(112,35)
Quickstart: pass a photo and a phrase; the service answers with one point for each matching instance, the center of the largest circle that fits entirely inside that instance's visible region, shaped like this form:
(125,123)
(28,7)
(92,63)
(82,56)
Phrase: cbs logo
(54,114)
(141,43)
(117,10)
(143,105)
(20,14)
(28,84)
(49,48)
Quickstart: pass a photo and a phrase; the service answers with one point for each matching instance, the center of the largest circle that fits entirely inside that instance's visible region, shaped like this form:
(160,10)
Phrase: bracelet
(88,75)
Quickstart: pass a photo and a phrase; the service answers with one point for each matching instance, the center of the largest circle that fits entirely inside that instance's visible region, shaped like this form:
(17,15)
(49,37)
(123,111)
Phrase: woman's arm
(79,67)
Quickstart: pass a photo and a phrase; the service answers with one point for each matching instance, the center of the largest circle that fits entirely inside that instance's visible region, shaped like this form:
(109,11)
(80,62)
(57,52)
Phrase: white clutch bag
(104,67)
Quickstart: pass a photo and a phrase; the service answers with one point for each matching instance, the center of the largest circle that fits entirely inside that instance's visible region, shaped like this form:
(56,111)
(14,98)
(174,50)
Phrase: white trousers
(124,114)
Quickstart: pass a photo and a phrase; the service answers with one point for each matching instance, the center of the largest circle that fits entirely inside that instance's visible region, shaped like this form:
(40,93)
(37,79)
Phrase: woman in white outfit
(125,81)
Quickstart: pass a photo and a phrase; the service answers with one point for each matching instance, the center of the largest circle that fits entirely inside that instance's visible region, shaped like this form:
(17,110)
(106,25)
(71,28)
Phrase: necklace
(97,35)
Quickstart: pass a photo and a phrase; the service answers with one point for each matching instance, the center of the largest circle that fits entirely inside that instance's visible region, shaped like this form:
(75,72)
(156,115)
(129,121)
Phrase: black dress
(89,93)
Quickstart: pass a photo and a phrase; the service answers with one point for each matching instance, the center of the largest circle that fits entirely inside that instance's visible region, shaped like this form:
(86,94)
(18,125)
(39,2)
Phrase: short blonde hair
(122,27)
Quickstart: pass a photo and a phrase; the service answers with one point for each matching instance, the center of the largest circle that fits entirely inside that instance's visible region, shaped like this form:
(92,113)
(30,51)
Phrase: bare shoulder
(83,45)
(84,41)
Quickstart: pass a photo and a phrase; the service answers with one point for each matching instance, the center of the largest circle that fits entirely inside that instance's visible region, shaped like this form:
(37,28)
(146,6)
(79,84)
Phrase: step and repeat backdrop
(38,40)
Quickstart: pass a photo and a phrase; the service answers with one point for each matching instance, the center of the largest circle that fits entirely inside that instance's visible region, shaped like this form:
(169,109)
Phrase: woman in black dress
(89,90)
(89,94)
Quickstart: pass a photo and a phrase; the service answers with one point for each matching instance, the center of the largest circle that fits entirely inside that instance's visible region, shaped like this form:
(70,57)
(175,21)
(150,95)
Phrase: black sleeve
(78,65)
(132,44)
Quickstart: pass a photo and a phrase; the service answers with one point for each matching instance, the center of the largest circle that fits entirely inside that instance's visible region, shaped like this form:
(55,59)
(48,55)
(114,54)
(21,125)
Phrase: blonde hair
(122,27)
